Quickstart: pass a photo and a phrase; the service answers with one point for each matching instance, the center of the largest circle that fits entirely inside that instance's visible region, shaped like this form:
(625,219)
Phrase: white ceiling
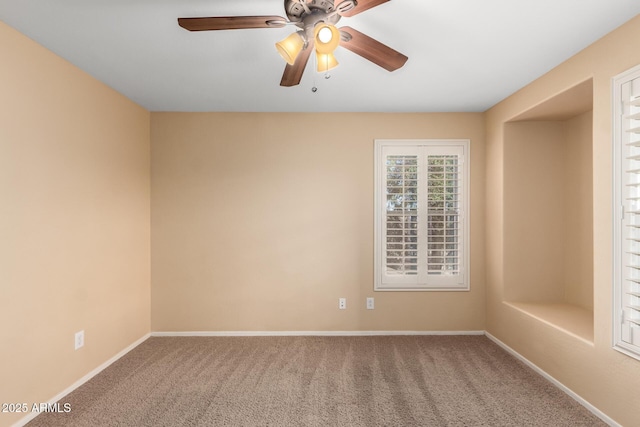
(464,55)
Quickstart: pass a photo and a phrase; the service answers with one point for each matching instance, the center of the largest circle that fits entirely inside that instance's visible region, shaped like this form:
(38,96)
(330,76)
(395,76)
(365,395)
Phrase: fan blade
(363,5)
(231,22)
(371,49)
(293,73)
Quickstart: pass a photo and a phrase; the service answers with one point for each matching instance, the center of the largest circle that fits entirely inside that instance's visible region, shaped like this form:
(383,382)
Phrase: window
(421,205)
(626,137)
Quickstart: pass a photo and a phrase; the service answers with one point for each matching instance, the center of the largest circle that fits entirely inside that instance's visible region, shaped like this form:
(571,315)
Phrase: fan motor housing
(320,9)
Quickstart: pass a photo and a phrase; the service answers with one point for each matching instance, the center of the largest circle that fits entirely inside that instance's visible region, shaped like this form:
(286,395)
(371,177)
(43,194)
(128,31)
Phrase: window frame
(456,282)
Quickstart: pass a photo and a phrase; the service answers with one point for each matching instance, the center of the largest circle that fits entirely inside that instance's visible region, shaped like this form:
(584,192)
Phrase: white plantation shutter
(401,221)
(421,226)
(627,216)
(444,189)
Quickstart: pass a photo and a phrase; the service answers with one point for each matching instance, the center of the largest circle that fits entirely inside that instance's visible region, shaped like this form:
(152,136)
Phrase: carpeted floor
(319,381)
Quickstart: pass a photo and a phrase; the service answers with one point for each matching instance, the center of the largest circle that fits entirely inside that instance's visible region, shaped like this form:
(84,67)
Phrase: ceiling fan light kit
(325,62)
(290,47)
(326,37)
(316,20)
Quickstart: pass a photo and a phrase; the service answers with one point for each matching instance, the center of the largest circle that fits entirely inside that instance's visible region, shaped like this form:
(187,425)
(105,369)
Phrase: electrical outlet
(370,305)
(79,341)
(342,303)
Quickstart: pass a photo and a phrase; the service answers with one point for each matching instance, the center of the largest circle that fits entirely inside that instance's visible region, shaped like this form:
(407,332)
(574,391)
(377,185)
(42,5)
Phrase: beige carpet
(319,381)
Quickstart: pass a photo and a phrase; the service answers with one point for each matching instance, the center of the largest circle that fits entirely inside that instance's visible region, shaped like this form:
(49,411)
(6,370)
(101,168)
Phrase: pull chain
(327,76)
(314,89)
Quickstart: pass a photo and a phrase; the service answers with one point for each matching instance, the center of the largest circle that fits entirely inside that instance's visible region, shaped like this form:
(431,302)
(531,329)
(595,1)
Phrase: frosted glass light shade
(290,47)
(327,38)
(326,61)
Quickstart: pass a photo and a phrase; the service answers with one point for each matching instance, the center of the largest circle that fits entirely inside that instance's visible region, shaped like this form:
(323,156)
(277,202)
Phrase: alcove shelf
(548,211)
(569,318)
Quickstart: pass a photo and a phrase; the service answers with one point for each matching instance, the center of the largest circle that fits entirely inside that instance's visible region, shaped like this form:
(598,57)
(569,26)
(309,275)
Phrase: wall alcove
(548,211)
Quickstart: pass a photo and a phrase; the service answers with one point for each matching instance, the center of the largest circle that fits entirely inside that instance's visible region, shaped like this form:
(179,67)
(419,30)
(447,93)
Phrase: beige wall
(596,372)
(260,222)
(74,222)
(534,204)
(548,211)
(578,210)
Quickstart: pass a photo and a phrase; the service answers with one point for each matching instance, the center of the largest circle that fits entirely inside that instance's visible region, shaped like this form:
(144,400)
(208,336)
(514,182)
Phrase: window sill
(571,319)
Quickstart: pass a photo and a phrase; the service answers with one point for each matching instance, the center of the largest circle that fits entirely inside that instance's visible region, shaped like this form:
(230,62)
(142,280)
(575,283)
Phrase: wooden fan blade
(371,49)
(231,22)
(362,6)
(293,73)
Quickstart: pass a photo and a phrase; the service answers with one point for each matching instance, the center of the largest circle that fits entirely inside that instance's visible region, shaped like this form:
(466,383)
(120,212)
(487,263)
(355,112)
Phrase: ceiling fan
(316,21)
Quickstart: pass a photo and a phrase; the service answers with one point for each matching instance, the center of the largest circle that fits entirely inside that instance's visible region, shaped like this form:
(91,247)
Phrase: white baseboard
(306,333)
(84,379)
(595,411)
